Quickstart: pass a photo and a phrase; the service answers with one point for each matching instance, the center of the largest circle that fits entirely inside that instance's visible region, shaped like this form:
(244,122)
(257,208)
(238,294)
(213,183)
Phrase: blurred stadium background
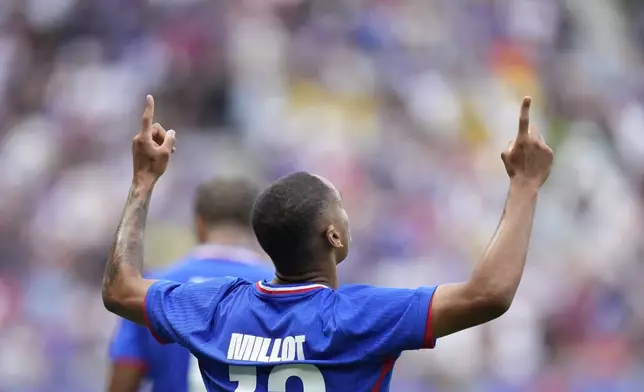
(405,105)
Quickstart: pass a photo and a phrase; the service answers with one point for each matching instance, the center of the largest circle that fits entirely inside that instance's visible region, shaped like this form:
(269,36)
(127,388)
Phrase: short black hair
(226,201)
(285,217)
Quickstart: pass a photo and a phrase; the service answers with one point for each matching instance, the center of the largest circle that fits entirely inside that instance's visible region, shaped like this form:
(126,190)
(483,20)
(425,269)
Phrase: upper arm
(457,306)
(175,311)
(127,298)
(129,355)
(385,321)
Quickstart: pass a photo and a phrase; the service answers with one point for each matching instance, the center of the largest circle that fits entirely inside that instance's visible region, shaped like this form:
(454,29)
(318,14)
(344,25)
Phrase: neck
(325,274)
(229,236)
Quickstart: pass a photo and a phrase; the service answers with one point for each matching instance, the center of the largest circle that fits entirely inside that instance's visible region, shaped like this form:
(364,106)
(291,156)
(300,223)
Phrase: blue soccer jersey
(257,337)
(171,368)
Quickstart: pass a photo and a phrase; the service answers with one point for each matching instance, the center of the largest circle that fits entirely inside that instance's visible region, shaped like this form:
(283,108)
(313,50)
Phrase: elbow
(491,304)
(117,289)
(496,305)
(491,298)
(115,296)
(110,300)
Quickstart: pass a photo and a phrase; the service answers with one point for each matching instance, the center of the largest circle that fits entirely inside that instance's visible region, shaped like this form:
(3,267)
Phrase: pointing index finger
(524,117)
(148,114)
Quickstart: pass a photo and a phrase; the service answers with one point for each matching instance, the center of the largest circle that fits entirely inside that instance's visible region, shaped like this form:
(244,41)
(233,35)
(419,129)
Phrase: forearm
(499,271)
(495,280)
(126,378)
(122,281)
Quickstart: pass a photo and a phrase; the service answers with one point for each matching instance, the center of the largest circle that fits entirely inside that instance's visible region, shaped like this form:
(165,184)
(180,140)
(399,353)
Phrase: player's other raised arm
(124,288)
(492,286)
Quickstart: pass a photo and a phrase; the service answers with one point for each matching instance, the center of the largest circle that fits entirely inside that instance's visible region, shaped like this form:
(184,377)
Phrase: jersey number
(246,377)
(309,375)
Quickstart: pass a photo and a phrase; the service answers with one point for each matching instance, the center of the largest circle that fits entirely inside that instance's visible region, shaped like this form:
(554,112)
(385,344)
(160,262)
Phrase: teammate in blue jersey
(222,226)
(300,331)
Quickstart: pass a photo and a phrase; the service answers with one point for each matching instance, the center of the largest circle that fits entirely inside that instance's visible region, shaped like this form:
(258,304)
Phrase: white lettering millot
(259,349)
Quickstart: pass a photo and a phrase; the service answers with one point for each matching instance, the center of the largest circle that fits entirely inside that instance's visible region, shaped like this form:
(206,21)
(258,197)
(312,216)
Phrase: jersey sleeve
(175,311)
(129,345)
(386,321)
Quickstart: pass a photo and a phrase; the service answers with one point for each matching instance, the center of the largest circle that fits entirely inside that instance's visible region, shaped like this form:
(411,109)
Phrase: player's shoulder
(346,296)
(375,294)
(200,290)
(358,289)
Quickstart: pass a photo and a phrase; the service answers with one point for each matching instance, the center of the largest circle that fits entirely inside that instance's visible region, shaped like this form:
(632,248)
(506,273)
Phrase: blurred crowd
(404,105)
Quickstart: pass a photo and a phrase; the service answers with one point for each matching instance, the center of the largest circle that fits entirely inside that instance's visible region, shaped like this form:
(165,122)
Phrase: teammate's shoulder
(177,271)
(220,286)
(212,260)
(219,281)
(159,273)
(240,265)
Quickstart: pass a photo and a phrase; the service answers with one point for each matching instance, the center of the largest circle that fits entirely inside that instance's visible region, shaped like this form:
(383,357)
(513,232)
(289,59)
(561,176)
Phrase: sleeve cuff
(429,341)
(148,321)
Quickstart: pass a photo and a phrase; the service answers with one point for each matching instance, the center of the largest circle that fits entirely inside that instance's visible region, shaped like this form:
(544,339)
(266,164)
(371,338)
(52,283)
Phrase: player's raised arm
(492,286)
(124,288)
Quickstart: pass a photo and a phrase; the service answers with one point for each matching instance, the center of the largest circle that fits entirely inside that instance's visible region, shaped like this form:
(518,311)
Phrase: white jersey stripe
(291,288)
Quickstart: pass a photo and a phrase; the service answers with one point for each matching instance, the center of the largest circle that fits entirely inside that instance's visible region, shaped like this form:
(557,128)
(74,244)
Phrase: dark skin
(332,246)
(125,378)
(486,295)
(124,287)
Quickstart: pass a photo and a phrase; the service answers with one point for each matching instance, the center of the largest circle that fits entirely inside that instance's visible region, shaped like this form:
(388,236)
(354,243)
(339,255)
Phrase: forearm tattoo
(127,248)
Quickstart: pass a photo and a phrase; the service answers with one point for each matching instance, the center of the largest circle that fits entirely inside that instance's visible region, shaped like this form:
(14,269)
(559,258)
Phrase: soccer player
(300,331)
(222,226)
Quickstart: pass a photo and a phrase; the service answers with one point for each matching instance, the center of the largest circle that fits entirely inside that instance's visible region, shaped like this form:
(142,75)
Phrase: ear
(333,237)
(200,229)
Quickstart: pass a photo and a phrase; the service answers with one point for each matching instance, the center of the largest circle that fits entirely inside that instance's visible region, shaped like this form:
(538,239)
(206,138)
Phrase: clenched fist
(151,147)
(528,158)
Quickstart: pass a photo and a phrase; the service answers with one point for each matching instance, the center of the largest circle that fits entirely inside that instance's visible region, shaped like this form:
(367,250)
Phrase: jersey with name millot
(255,336)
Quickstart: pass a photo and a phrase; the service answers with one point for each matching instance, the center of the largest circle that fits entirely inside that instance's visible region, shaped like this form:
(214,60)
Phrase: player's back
(172,367)
(255,337)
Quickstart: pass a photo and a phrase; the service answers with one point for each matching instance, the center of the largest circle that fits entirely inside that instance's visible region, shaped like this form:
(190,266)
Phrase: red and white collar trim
(266,289)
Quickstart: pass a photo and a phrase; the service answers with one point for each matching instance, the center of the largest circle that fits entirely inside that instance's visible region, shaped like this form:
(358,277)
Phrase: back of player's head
(286,219)
(226,201)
